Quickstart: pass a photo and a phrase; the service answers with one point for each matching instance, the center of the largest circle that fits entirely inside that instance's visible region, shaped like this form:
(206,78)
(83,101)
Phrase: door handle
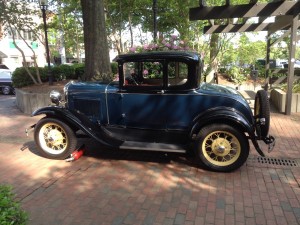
(160,92)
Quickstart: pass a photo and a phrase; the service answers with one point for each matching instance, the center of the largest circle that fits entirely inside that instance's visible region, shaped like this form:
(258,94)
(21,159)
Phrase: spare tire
(262,113)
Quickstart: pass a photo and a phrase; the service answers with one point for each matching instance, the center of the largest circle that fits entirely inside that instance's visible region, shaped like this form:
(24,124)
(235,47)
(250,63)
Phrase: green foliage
(172,42)
(295,89)
(64,72)
(79,70)
(114,67)
(20,77)
(235,75)
(10,211)
(67,18)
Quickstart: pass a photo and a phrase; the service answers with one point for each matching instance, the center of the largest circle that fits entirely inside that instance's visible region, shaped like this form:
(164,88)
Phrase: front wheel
(54,138)
(221,147)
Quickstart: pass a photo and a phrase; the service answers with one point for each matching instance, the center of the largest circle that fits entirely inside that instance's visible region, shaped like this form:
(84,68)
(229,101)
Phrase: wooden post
(291,71)
(267,67)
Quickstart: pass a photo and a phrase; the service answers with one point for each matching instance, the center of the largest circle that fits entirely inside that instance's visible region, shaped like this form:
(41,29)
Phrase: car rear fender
(80,121)
(228,116)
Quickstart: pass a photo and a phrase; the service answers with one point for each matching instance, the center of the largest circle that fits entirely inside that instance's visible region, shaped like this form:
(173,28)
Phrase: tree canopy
(120,25)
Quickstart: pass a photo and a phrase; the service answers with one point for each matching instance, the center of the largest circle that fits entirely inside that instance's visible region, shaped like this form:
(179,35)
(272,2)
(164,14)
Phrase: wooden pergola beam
(281,23)
(245,11)
(233,28)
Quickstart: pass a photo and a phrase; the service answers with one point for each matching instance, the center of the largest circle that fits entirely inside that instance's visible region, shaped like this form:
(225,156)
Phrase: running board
(146,146)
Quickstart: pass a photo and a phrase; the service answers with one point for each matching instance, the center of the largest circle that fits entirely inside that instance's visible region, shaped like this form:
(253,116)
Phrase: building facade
(12,57)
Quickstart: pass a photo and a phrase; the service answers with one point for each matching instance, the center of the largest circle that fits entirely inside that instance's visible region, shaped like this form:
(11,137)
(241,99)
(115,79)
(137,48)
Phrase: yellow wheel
(54,138)
(221,147)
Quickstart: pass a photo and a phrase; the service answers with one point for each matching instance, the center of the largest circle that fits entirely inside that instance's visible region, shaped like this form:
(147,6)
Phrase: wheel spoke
(221,148)
(54,138)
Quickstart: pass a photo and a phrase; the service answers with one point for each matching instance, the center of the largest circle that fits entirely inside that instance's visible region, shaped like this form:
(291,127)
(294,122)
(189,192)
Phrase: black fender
(229,116)
(81,122)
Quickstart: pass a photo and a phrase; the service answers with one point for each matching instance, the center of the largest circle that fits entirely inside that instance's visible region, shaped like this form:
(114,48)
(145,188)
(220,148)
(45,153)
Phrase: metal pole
(43,8)
(154,20)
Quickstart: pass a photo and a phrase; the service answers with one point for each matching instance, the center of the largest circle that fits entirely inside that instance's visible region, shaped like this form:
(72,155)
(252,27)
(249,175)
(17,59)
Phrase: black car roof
(158,55)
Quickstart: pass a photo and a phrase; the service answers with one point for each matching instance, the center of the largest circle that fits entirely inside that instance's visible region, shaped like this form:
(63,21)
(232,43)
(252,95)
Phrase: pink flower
(145,72)
(173,36)
(133,49)
(146,47)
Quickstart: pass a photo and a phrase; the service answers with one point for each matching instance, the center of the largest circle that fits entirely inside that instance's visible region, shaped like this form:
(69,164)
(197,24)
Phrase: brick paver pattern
(113,187)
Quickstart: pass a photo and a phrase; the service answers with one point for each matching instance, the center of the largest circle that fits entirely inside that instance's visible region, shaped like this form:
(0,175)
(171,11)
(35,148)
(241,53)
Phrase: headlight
(55,97)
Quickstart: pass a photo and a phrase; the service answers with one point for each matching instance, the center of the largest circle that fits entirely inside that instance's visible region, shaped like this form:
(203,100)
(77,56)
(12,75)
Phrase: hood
(75,86)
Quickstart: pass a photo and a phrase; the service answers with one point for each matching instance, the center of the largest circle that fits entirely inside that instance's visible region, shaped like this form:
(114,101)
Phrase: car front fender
(80,121)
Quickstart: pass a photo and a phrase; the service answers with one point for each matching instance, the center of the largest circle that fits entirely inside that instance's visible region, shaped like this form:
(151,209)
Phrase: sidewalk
(111,187)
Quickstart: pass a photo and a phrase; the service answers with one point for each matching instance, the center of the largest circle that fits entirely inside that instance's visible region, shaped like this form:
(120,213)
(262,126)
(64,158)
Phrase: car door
(143,104)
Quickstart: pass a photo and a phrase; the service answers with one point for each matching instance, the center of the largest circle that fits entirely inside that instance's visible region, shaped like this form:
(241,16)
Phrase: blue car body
(165,113)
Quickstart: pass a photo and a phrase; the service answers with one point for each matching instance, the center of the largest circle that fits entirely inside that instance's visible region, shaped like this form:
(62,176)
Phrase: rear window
(5,74)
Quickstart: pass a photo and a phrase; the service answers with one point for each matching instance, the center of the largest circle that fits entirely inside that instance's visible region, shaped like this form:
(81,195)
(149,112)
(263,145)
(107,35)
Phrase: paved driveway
(111,187)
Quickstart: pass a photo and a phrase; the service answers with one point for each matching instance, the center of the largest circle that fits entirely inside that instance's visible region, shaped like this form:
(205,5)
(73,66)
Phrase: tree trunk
(131,31)
(97,63)
(213,65)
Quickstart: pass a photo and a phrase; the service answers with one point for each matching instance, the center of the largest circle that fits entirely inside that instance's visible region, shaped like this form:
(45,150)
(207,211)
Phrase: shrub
(79,70)
(64,72)
(20,77)
(235,75)
(10,211)
(295,89)
(114,67)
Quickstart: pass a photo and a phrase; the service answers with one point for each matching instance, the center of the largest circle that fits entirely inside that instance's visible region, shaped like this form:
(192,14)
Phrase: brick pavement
(111,187)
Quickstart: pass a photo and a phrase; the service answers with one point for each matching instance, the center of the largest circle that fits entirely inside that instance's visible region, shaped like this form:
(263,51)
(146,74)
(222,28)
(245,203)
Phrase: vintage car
(6,82)
(157,104)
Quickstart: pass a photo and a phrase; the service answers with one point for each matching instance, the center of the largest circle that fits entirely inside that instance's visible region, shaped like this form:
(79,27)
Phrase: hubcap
(221,148)
(53,138)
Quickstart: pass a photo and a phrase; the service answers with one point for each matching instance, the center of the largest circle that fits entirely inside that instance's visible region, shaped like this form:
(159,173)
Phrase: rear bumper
(270,141)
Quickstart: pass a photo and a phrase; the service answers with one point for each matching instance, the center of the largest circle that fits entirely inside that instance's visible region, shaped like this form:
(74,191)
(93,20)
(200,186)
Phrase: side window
(177,73)
(143,73)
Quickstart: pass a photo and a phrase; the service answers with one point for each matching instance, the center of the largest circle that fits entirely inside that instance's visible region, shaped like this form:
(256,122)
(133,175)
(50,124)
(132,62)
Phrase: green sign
(34,45)
(12,45)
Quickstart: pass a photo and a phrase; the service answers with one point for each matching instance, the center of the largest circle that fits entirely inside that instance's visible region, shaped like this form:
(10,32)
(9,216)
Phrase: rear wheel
(262,113)
(221,147)
(6,90)
(54,138)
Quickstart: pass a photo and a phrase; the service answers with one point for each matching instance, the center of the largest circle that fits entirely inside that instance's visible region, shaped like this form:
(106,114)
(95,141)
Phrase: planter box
(29,102)
(278,98)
